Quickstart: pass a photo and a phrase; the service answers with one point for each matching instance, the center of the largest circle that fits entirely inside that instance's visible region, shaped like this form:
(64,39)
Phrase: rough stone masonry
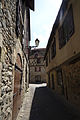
(8,43)
(7,29)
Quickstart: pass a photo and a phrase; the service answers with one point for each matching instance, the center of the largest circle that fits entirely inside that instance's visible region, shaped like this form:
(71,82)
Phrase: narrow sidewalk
(24,112)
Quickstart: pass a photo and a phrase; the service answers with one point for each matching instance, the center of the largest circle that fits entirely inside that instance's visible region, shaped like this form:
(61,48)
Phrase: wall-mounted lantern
(36,44)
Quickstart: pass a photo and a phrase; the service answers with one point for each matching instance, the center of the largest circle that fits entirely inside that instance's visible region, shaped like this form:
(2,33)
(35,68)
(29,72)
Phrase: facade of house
(63,52)
(14,63)
(37,66)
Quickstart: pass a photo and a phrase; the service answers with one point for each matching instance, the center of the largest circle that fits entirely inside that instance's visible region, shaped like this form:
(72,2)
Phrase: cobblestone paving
(41,103)
(24,113)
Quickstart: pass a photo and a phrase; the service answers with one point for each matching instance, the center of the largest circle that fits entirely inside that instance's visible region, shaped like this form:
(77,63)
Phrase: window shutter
(71,22)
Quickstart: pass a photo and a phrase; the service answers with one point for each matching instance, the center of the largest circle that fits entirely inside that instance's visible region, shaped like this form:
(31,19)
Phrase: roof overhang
(29,4)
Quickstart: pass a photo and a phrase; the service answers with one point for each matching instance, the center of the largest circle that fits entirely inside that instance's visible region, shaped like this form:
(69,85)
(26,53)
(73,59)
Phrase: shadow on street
(47,105)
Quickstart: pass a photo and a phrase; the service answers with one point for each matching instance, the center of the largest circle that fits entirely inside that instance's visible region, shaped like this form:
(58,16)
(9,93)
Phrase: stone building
(63,52)
(14,43)
(37,66)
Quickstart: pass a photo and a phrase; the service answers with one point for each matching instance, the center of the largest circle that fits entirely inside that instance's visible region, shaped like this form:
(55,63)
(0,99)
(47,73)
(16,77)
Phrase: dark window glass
(37,78)
(67,28)
(49,79)
(46,61)
(53,49)
(17,18)
(19,27)
(36,55)
(49,56)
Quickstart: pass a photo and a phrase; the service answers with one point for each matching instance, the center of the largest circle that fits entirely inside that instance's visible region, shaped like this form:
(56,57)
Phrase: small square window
(37,69)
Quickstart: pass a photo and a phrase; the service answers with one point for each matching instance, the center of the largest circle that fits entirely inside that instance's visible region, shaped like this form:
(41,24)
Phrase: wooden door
(17,88)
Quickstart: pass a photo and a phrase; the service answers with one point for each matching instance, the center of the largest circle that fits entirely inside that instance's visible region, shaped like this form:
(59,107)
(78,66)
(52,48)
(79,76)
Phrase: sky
(42,20)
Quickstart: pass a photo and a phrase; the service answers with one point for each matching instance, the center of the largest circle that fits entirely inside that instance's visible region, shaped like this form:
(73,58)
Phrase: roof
(40,51)
(56,24)
(29,4)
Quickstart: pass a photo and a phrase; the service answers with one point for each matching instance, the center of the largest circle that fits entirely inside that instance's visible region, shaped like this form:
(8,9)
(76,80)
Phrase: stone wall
(71,77)
(7,28)
(10,46)
(0,72)
(70,86)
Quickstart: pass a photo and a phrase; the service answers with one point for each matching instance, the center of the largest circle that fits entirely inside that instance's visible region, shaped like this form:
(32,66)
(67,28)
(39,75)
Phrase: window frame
(66,31)
(53,49)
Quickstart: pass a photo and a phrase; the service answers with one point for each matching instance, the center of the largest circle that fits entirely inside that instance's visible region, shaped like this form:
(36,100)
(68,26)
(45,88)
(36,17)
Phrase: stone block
(1,100)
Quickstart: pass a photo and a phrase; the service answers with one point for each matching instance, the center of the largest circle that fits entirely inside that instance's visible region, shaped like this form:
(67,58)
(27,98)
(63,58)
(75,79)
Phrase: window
(53,49)
(49,79)
(38,60)
(49,55)
(67,28)
(46,61)
(38,78)
(17,18)
(36,55)
(19,26)
(37,69)
(59,77)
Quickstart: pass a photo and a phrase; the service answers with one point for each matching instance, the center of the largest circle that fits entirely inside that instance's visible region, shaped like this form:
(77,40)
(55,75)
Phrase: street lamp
(36,44)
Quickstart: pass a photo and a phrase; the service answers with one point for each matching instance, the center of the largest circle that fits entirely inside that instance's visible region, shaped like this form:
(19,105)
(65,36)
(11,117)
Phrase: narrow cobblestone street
(40,103)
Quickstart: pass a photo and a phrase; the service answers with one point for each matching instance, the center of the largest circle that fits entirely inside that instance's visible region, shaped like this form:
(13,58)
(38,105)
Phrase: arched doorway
(17,87)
